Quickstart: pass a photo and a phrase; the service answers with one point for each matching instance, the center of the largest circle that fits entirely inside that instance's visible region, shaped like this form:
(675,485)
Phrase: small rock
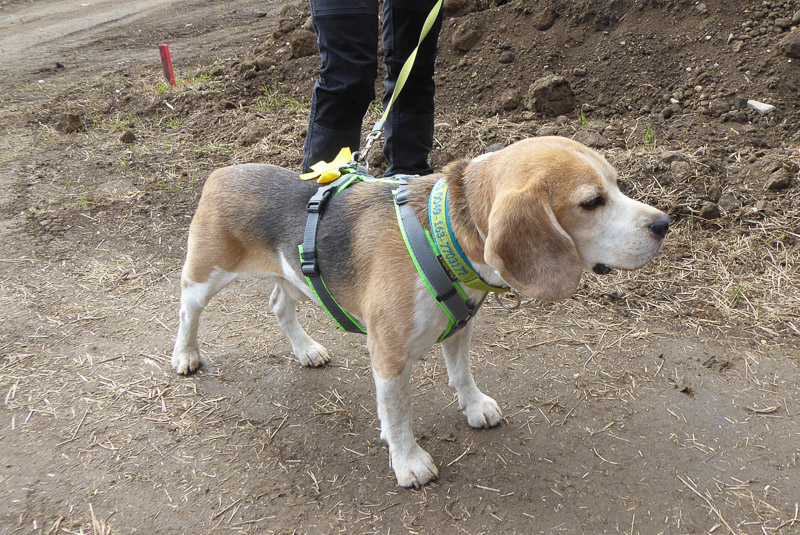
(465,38)
(494,147)
(506,57)
(760,107)
(682,169)
(590,138)
(718,106)
(509,100)
(710,211)
(128,137)
(739,103)
(544,20)
(261,13)
(790,45)
(728,202)
(458,8)
(252,135)
(286,26)
(263,63)
(701,8)
(303,43)
(69,123)
(551,95)
(715,192)
(548,130)
(668,112)
(669,157)
(217,70)
(764,207)
(778,180)
(783,24)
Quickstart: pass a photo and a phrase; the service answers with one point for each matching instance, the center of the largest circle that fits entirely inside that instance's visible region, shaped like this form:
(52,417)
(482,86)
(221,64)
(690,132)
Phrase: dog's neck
(469,216)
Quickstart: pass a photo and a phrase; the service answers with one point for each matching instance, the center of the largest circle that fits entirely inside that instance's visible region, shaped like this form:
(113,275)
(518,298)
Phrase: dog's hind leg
(194,298)
(481,410)
(283,302)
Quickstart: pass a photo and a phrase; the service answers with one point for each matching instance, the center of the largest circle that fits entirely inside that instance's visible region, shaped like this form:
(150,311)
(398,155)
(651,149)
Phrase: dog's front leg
(412,465)
(481,410)
(283,303)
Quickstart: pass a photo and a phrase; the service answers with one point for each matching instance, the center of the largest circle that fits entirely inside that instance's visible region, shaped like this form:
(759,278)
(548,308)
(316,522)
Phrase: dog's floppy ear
(529,248)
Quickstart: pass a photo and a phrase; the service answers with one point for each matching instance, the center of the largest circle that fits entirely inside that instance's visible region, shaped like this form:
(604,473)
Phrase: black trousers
(347,35)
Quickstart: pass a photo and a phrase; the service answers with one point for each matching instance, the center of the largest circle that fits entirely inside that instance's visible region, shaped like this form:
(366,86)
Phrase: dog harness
(439,259)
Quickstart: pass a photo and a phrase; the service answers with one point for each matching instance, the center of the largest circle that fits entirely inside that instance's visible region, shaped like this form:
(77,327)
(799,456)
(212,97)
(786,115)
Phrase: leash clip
(517,299)
(372,137)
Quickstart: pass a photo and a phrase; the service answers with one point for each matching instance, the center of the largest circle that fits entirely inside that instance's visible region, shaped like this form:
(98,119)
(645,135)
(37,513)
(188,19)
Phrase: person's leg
(347,36)
(409,127)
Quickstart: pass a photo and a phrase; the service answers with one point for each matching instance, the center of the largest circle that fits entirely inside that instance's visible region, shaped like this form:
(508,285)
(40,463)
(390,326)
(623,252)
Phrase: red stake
(167,64)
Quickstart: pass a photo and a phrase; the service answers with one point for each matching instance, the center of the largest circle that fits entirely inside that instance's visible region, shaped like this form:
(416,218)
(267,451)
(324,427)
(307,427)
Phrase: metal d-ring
(517,298)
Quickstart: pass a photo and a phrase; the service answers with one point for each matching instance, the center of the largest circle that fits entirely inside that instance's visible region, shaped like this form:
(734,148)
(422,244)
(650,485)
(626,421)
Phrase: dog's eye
(593,203)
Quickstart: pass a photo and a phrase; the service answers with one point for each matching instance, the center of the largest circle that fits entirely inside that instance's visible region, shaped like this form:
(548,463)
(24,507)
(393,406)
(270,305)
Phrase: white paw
(484,412)
(312,354)
(414,469)
(185,361)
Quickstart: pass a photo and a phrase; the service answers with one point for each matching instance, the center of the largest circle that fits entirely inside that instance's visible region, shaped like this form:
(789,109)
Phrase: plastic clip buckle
(309,267)
(402,196)
(313,206)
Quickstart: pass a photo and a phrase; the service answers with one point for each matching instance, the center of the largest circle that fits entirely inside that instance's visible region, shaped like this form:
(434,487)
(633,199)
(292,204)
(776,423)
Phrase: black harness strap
(308,256)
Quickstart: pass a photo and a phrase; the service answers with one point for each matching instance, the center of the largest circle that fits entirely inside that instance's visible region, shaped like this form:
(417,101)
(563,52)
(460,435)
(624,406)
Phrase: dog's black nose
(660,226)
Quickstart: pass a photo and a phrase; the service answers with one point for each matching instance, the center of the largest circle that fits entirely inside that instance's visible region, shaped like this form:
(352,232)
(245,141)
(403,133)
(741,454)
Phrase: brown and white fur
(531,216)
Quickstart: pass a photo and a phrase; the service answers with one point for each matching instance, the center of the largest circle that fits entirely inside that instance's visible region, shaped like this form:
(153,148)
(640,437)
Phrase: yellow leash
(325,172)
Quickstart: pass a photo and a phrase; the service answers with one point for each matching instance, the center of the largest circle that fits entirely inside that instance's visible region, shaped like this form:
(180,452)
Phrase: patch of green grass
(297,106)
(197,77)
(172,182)
(376,107)
(649,138)
(736,294)
(165,185)
(84,201)
(174,122)
(163,88)
(211,146)
(583,117)
(123,124)
(270,98)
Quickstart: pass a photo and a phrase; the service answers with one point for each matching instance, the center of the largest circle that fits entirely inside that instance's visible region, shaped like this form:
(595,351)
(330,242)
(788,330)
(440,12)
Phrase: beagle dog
(530,216)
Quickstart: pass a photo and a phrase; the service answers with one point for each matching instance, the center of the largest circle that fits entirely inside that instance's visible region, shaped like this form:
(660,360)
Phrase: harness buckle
(309,267)
(313,206)
(452,292)
(402,196)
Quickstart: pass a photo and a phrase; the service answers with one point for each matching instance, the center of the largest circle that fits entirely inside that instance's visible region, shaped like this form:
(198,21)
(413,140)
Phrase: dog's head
(554,208)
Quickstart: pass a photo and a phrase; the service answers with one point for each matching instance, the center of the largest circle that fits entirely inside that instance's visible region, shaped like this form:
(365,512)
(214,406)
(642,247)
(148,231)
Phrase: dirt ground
(661,401)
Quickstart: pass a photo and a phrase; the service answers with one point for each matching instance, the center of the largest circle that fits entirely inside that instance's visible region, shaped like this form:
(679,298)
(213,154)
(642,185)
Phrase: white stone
(760,107)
